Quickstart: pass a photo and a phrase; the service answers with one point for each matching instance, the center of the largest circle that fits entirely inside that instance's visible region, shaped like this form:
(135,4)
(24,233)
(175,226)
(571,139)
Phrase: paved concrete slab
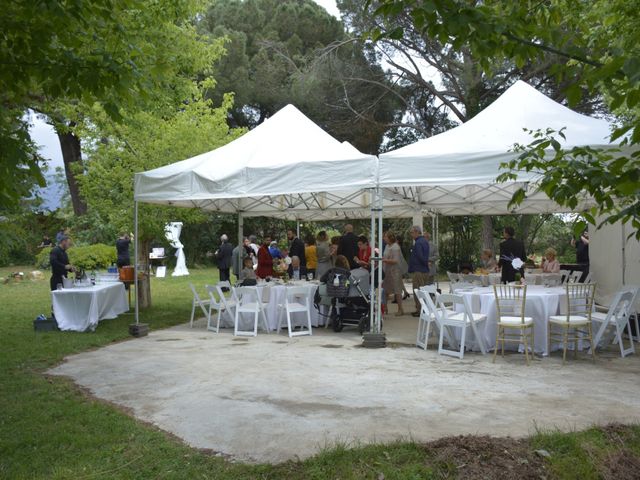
(271,398)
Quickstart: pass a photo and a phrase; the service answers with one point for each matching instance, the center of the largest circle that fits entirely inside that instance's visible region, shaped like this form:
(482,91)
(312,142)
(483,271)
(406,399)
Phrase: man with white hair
(224,254)
(418,263)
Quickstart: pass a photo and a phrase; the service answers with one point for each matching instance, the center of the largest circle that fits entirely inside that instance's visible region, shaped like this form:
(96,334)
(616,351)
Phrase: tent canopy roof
(454,172)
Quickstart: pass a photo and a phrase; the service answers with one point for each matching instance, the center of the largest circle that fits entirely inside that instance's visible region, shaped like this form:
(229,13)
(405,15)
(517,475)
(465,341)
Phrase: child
(247,271)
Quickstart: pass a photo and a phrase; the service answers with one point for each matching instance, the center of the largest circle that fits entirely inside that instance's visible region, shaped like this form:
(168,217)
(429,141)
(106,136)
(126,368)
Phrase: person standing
(311,255)
(348,246)
(582,252)
(510,249)
(59,261)
(364,252)
(265,260)
(122,248)
(59,236)
(433,258)
(418,264)
(323,252)
(224,255)
(296,248)
(392,283)
(238,255)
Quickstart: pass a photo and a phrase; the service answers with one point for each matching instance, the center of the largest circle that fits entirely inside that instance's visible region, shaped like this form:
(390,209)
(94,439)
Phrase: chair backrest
(213,291)
(575,276)
(453,277)
(224,284)
(432,289)
(461,285)
(621,306)
(588,278)
(196,297)
(552,279)
(564,274)
(510,300)
(580,299)
(297,295)
(475,279)
(446,304)
(245,295)
(635,290)
(424,297)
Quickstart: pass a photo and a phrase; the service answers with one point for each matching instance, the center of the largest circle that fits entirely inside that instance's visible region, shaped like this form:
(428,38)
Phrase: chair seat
(601,317)
(515,321)
(573,320)
(460,317)
(249,307)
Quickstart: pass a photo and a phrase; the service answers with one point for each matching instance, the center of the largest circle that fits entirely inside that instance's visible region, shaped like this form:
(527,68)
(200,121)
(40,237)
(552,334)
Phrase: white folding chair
(588,278)
(477,280)
(296,301)
(454,287)
(249,301)
(564,275)
(449,317)
(579,308)
(552,279)
(618,317)
(197,301)
(634,310)
(221,304)
(423,294)
(453,277)
(511,304)
(574,277)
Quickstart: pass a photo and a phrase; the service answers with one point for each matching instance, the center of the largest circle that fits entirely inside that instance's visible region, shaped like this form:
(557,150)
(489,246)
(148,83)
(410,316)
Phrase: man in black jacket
(348,246)
(59,261)
(223,255)
(511,248)
(296,248)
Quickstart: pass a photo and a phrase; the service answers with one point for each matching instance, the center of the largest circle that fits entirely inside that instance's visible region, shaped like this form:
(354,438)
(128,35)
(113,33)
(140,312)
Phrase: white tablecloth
(80,309)
(542,302)
(273,295)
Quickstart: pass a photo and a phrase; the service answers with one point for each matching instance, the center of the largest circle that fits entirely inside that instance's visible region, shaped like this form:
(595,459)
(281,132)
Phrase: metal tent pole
(135,256)
(378,322)
(372,261)
(240,240)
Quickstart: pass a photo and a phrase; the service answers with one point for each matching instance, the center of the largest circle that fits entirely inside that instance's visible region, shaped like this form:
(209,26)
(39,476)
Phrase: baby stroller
(346,294)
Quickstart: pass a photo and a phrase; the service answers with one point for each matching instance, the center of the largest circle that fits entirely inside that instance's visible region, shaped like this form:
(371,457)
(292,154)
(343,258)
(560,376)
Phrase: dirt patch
(486,457)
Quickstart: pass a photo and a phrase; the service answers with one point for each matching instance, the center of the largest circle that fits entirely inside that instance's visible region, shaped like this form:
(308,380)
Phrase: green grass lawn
(51,429)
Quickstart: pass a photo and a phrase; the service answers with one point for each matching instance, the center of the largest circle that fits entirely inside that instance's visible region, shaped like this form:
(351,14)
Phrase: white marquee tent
(288,167)
(454,173)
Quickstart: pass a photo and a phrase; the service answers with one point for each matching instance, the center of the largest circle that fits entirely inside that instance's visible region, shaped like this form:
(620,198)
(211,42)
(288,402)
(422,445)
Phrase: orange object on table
(126,274)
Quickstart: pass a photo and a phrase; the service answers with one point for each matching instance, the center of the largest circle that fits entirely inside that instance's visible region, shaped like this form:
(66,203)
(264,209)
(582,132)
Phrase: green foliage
(612,180)
(86,257)
(293,51)
(60,58)
(141,142)
(598,43)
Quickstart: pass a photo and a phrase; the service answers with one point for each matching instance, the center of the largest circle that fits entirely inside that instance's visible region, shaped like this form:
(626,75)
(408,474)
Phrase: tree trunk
(144,274)
(487,232)
(72,157)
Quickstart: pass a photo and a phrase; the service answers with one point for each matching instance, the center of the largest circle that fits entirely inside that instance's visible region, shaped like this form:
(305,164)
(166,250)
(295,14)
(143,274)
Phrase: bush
(87,257)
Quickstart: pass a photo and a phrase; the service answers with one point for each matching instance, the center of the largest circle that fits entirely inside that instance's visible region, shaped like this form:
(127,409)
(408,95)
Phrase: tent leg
(373,262)
(240,239)
(379,297)
(135,261)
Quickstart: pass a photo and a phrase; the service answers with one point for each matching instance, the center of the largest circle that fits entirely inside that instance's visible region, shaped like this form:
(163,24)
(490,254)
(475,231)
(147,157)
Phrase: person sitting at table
(59,261)
(46,242)
(296,271)
(488,260)
(265,260)
(333,249)
(550,264)
(364,252)
(247,272)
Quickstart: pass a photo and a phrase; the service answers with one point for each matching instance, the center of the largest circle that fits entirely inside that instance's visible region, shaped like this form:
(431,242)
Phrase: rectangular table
(80,309)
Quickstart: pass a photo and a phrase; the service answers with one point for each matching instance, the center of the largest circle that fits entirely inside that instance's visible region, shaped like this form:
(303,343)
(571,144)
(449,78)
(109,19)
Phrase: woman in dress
(265,260)
(392,276)
(550,264)
(323,253)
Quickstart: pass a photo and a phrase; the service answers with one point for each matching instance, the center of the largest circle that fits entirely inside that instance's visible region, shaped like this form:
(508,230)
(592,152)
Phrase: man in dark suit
(348,246)
(224,254)
(59,261)
(296,248)
(511,248)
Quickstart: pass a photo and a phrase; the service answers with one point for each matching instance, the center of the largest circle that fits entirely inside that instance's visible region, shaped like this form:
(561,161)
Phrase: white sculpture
(172,232)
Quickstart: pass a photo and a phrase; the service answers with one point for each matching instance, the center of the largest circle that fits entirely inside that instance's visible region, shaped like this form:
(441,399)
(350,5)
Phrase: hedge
(87,257)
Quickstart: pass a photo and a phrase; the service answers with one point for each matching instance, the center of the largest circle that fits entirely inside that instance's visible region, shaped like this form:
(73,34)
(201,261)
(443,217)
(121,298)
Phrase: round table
(541,303)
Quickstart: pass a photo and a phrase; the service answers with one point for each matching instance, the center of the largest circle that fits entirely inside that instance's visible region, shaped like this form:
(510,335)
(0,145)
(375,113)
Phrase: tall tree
(599,56)
(60,58)
(274,50)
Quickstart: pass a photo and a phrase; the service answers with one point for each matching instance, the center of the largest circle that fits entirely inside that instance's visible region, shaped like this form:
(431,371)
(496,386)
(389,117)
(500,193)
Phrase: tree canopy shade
(276,56)
(598,41)
(62,57)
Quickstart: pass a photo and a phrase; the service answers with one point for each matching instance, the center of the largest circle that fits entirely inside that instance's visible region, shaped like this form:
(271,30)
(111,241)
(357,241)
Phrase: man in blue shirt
(418,263)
